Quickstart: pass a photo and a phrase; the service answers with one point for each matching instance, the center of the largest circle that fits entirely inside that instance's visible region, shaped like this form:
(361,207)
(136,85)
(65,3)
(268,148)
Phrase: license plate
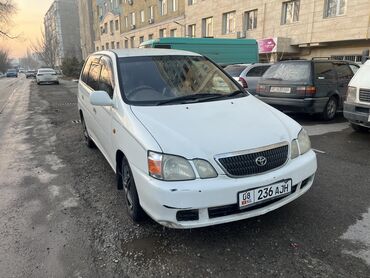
(247,198)
(284,90)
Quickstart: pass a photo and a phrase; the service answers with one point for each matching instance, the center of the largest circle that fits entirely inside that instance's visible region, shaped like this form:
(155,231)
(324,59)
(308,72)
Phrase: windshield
(235,70)
(12,70)
(291,71)
(150,80)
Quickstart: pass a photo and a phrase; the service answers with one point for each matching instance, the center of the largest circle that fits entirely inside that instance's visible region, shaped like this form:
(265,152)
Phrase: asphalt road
(61,215)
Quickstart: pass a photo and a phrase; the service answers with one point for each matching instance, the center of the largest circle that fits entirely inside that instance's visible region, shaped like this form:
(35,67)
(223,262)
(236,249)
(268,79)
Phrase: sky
(27,24)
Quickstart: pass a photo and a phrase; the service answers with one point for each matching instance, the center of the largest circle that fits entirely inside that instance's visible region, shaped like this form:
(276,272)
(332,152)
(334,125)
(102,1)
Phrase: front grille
(221,211)
(364,95)
(245,164)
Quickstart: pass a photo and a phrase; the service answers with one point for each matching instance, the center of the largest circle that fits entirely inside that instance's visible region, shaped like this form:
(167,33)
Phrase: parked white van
(189,146)
(357,105)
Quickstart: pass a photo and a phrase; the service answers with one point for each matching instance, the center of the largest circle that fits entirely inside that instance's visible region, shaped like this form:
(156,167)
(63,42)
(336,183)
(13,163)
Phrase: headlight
(169,167)
(204,169)
(351,94)
(301,145)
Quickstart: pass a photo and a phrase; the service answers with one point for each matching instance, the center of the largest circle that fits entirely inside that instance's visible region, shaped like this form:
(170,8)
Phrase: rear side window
(343,71)
(106,77)
(289,71)
(324,71)
(93,77)
(85,71)
(257,71)
(234,70)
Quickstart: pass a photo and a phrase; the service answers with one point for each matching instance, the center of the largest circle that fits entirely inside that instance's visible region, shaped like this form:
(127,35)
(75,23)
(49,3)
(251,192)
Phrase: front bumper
(356,113)
(163,200)
(47,79)
(306,105)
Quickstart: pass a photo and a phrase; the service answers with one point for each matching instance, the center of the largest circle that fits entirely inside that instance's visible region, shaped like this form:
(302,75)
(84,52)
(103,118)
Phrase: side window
(344,72)
(324,71)
(257,71)
(85,71)
(94,74)
(106,77)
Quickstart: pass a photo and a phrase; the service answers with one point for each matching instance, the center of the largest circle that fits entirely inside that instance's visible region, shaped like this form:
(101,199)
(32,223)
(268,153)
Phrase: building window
(162,33)
(106,28)
(107,45)
(150,36)
(133,18)
(290,12)
(97,48)
(151,12)
(126,21)
(117,25)
(102,47)
(163,7)
(111,26)
(141,39)
(142,16)
(112,45)
(118,45)
(192,2)
(174,5)
(173,33)
(126,43)
(132,42)
(335,7)
(251,20)
(191,30)
(207,28)
(228,22)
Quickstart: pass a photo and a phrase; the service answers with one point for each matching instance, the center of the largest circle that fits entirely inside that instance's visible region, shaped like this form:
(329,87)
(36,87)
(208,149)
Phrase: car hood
(203,130)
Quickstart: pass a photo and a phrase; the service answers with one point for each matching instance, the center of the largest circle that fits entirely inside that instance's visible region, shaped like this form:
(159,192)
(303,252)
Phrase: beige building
(143,20)
(87,31)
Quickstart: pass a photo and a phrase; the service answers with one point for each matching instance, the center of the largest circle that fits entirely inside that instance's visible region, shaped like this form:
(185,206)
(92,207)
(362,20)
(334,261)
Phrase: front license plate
(247,198)
(284,90)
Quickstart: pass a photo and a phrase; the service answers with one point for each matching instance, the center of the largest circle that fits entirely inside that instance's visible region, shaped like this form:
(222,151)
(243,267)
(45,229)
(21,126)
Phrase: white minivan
(189,146)
(357,105)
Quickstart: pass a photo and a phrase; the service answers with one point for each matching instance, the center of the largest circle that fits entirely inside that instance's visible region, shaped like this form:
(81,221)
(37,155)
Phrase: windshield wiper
(192,98)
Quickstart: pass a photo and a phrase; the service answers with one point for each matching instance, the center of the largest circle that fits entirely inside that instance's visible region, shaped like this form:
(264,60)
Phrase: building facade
(87,31)
(62,28)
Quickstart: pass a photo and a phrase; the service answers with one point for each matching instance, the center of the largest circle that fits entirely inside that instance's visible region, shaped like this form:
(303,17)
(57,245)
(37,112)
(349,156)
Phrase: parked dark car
(310,86)
(11,73)
(248,75)
(31,74)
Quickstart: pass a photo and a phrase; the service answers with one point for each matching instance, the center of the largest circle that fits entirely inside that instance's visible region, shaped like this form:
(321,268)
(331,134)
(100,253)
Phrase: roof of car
(136,52)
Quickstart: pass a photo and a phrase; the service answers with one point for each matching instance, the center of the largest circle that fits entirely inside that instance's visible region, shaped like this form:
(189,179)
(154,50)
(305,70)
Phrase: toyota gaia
(189,146)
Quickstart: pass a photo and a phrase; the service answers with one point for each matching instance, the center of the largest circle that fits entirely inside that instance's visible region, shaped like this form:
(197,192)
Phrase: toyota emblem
(261,161)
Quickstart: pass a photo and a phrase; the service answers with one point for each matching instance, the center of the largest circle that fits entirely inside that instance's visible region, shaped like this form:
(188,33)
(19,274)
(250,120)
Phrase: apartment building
(149,19)
(296,28)
(87,30)
(107,19)
(62,27)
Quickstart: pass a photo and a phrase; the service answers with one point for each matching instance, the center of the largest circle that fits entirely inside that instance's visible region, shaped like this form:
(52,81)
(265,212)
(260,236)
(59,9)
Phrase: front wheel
(134,209)
(330,109)
(360,128)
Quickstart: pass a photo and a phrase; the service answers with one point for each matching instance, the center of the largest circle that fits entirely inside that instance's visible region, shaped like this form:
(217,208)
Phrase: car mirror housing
(100,98)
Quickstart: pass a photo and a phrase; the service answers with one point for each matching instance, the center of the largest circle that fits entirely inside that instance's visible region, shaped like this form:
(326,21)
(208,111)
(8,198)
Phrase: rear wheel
(360,128)
(330,109)
(89,142)
(134,209)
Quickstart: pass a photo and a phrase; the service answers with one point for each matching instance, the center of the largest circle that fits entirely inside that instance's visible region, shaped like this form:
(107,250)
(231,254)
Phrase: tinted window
(257,71)
(151,79)
(106,77)
(235,70)
(324,71)
(93,78)
(343,71)
(289,71)
(85,72)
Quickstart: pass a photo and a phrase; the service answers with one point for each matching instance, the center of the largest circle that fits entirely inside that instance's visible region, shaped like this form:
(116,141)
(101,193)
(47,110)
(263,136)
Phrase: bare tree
(47,49)
(7,10)
(4,60)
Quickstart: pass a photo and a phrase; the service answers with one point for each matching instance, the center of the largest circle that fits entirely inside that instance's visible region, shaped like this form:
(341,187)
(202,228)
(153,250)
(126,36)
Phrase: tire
(359,128)
(330,109)
(89,142)
(134,209)
(57,83)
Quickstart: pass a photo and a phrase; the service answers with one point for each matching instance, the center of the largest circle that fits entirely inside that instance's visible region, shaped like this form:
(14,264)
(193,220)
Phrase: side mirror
(100,98)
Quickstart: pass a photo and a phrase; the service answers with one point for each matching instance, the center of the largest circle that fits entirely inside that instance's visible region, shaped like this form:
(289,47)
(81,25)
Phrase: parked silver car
(248,75)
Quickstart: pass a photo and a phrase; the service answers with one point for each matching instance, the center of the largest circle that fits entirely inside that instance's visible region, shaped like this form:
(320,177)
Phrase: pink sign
(267,45)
